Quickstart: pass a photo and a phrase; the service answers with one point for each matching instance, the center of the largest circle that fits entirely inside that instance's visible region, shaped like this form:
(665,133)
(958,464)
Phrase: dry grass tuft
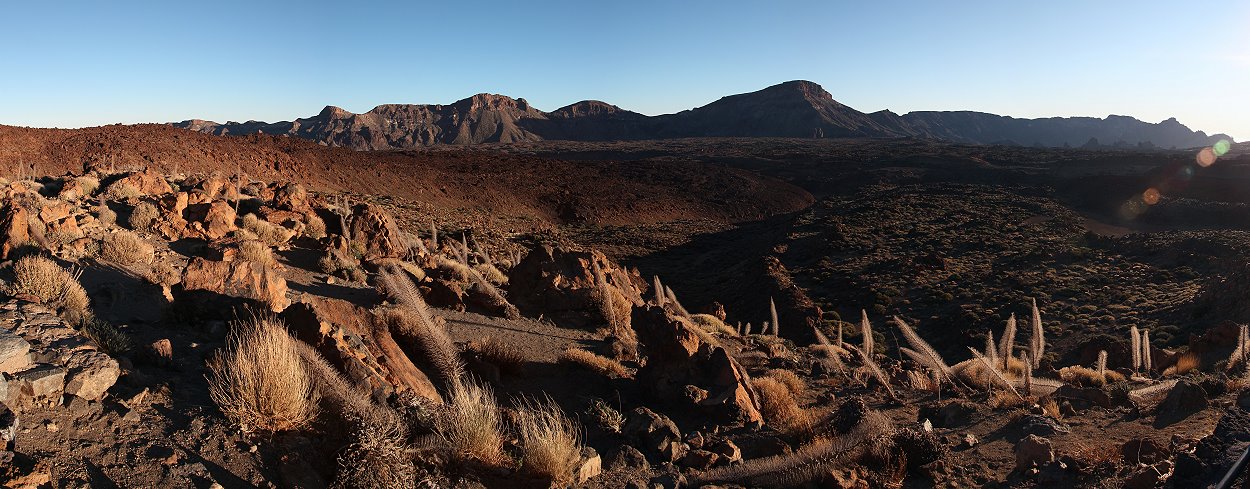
(271,234)
(550,441)
(712,324)
(45,281)
(779,407)
(472,425)
(791,380)
(598,363)
(314,226)
(143,216)
(377,458)
(1050,408)
(126,248)
(497,353)
(258,252)
(121,190)
(1185,363)
(106,215)
(491,273)
(88,184)
(260,381)
(1088,377)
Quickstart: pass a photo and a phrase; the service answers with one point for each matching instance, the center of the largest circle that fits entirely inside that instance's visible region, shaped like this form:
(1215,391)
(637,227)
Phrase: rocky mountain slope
(795,109)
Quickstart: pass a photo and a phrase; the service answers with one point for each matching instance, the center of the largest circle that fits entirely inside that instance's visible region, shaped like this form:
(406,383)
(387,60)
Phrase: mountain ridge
(798,109)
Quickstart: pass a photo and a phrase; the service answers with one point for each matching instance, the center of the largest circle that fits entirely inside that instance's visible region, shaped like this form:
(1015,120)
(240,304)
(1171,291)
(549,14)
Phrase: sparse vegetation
(550,441)
(126,248)
(471,424)
(43,280)
(596,363)
(259,381)
(258,252)
(143,216)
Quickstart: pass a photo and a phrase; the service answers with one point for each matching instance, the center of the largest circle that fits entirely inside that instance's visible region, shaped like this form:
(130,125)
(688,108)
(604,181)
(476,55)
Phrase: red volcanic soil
(544,189)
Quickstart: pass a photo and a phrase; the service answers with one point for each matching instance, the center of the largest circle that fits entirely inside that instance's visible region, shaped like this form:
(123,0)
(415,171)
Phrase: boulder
(1143,451)
(42,383)
(560,284)
(241,279)
(677,358)
(14,352)
(654,434)
(376,231)
(171,224)
(1082,398)
(90,374)
(1183,400)
(147,182)
(291,197)
(14,229)
(212,220)
(1033,451)
(359,346)
(589,466)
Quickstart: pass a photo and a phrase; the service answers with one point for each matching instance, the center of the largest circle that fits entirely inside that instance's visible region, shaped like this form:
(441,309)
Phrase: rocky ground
(691,337)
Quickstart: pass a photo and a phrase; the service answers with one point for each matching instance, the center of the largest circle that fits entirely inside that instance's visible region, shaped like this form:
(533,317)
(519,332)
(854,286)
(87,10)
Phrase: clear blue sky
(70,64)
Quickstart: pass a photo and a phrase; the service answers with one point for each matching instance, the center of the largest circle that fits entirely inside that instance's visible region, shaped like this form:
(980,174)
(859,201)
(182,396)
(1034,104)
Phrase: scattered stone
(1150,476)
(729,452)
(699,459)
(655,434)
(8,427)
(970,440)
(91,374)
(589,466)
(1033,451)
(1033,424)
(1143,451)
(627,458)
(1182,401)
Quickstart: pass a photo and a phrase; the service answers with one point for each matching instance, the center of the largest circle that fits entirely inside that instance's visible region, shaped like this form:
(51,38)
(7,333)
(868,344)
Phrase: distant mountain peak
(794,109)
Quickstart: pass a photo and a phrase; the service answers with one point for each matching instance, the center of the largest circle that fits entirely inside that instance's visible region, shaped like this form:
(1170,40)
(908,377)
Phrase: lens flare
(1187,172)
(1206,157)
(1151,196)
(1221,147)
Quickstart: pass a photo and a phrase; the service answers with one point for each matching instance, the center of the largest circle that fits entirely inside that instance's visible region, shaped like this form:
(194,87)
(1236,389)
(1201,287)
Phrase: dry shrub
(257,252)
(121,190)
(550,441)
(712,324)
(472,425)
(164,273)
(265,231)
(126,248)
(791,380)
(377,458)
(45,281)
(1087,377)
(260,381)
(314,226)
(144,216)
(457,270)
(1050,407)
(491,274)
(1184,363)
(779,407)
(106,215)
(597,363)
(1003,398)
(497,353)
(110,339)
(88,184)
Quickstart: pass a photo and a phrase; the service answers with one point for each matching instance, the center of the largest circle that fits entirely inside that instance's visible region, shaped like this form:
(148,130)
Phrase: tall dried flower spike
(1135,340)
(1038,341)
(865,330)
(1145,350)
(1007,342)
(772,313)
(659,292)
(1101,366)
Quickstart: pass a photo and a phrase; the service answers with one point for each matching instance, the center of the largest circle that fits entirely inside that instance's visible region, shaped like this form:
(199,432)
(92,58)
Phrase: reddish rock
(376,231)
(241,279)
(560,284)
(359,345)
(14,230)
(148,182)
(677,358)
(291,197)
(213,220)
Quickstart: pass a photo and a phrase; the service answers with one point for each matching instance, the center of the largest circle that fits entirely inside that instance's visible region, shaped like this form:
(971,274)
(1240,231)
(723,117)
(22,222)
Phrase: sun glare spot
(1221,147)
(1206,157)
(1150,196)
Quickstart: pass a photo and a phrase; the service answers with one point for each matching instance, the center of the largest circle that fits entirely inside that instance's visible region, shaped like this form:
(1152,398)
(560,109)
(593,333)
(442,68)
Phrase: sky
(75,64)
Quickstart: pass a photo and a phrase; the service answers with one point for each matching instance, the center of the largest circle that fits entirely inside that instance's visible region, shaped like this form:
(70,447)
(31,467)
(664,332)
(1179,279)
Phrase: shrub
(550,441)
(260,381)
(712,324)
(126,248)
(597,363)
(265,231)
(497,353)
(121,190)
(1184,363)
(491,274)
(143,216)
(377,458)
(110,339)
(793,383)
(42,279)
(471,424)
(778,406)
(106,216)
(164,273)
(89,185)
(315,227)
(414,320)
(258,252)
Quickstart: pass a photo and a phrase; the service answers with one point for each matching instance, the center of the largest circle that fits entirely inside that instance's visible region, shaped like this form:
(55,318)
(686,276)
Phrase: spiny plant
(1101,366)
(991,350)
(1135,340)
(416,320)
(875,370)
(1027,376)
(923,353)
(865,330)
(772,313)
(1007,343)
(659,292)
(995,374)
(1243,344)
(433,236)
(1145,350)
(672,299)
(1037,344)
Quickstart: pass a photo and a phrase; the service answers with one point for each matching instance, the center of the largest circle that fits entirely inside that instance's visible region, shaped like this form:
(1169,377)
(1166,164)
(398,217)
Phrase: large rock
(1033,451)
(560,284)
(171,224)
(212,220)
(654,434)
(291,197)
(14,352)
(678,358)
(242,279)
(14,228)
(42,384)
(90,374)
(60,359)
(147,182)
(359,345)
(376,231)
(1182,401)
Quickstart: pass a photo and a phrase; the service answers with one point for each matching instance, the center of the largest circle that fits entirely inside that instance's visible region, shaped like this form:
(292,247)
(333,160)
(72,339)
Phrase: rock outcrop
(43,358)
(560,284)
